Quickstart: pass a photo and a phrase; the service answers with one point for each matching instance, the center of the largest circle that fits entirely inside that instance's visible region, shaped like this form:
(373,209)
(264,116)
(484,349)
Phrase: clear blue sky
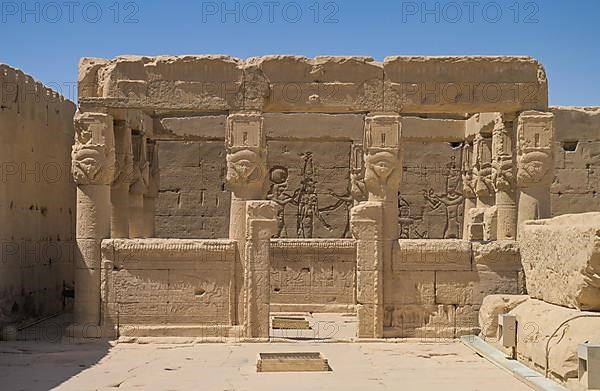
(47,39)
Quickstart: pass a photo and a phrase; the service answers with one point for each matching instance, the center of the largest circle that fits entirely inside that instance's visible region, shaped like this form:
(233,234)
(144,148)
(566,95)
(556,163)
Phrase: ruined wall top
(327,84)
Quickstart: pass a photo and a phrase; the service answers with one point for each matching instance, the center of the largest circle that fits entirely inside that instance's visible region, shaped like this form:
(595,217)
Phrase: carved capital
(535,136)
(382,157)
(246,156)
(93,154)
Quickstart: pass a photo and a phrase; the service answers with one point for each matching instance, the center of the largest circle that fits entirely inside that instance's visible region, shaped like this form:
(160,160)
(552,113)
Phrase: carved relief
(93,154)
(141,166)
(382,157)
(430,203)
(451,201)
(482,171)
(246,156)
(502,167)
(534,148)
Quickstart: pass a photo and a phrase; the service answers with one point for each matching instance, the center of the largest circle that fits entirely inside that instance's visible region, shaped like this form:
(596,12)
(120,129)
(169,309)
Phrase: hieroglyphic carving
(93,154)
(482,170)
(246,156)
(451,200)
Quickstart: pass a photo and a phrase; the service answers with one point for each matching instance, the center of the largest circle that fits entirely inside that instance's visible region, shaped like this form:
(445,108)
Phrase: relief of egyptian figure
(451,200)
(93,154)
(278,193)
(308,201)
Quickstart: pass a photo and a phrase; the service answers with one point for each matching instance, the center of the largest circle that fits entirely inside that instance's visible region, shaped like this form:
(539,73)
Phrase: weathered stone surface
(547,330)
(464,84)
(37,200)
(306,126)
(323,84)
(432,255)
(190,128)
(319,272)
(168,281)
(498,256)
(466,288)
(561,259)
(209,82)
(491,307)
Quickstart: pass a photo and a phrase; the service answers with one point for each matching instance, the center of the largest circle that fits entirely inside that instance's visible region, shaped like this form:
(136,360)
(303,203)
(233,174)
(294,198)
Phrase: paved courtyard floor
(29,365)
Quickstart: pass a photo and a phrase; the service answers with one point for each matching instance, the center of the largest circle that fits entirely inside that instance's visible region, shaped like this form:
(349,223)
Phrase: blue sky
(46,39)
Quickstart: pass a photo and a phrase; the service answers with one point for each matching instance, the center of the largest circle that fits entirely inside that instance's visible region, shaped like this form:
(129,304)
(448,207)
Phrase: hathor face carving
(381,173)
(533,167)
(246,172)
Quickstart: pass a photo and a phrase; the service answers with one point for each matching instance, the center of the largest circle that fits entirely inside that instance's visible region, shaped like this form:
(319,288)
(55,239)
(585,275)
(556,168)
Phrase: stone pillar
(93,168)
(535,164)
(468,186)
(503,177)
(383,173)
(261,225)
(153,185)
(119,192)
(480,223)
(138,187)
(246,178)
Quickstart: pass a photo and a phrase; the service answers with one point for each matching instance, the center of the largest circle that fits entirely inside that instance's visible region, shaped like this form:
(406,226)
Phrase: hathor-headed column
(504,178)
(139,186)
(535,136)
(375,222)
(93,168)
(246,178)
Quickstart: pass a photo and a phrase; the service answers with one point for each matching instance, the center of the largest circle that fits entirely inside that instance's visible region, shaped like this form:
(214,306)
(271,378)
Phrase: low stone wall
(168,282)
(316,275)
(438,285)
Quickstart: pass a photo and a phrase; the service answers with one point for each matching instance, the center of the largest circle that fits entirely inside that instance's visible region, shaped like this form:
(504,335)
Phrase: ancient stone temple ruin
(213,191)
(425,197)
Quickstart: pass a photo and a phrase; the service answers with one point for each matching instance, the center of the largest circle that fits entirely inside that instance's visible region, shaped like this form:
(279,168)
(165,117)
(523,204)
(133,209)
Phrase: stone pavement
(409,365)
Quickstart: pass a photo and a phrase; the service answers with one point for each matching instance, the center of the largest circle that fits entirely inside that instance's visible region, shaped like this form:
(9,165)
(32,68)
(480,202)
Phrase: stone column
(93,168)
(503,177)
(261,225)
(138,187)
(480,223)
(119,192)
(153,185)
(246,178)
(375,223)
(535,164)
(468,186)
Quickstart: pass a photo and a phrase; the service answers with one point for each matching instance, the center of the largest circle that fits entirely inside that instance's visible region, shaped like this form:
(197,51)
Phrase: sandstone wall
(37,201)
(317,275)
(439,285)
(168,282)
(576,186)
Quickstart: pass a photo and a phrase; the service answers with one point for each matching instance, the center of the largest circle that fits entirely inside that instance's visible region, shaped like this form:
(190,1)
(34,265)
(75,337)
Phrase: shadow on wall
(41,359)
